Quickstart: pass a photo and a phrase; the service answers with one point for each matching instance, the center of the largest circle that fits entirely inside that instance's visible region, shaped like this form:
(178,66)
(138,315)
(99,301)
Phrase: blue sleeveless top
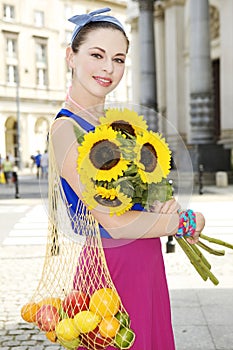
(71,196)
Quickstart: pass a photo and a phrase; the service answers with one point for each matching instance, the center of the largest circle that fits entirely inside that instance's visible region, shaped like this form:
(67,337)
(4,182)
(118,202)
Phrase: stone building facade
(33,73)
(194,68)
(194,65)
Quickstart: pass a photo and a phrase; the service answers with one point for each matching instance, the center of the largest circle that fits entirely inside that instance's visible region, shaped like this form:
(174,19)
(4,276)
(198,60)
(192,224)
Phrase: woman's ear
(70,57)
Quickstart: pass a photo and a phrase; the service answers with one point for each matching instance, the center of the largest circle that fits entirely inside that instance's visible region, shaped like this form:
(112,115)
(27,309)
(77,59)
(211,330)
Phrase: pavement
(202,313)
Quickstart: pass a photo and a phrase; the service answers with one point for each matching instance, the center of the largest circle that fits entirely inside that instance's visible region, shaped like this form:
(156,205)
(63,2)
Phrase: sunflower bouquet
(123,165)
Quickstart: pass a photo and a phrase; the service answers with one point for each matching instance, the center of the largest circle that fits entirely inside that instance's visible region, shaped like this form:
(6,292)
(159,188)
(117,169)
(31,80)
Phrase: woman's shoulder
(62,129)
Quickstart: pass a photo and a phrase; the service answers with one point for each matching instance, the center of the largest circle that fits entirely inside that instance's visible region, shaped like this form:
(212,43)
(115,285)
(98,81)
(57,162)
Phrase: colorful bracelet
(183,224)
(192,223)
(187,223)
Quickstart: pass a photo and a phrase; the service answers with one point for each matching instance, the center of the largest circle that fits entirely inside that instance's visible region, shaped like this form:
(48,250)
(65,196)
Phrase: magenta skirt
(137,270)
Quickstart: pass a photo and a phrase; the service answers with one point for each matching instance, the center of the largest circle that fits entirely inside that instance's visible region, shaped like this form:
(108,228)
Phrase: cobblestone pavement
(202,313)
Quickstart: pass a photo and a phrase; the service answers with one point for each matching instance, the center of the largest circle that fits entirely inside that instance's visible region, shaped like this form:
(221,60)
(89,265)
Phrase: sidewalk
(202,313)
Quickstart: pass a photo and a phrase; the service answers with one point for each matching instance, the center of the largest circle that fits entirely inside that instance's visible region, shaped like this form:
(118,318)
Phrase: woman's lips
(103,81)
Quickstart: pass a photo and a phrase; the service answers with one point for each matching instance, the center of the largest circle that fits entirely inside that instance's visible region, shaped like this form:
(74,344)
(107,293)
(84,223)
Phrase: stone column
(174,63)
(201,104)
(226,75)
(135,64)
(160,57)
(148,94)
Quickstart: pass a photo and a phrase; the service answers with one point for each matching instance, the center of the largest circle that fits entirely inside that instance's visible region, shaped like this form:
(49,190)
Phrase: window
(41,52)
(11,74)
(39,18)
(41,62)
(41,77)
(11,47)
(8,12)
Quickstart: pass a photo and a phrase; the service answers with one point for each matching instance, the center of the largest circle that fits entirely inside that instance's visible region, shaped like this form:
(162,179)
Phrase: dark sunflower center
(123,127)
(104,155)
(107,201)
(148,157)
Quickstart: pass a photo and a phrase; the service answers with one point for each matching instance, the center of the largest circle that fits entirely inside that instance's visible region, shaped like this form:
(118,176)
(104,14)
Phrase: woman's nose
(108,66)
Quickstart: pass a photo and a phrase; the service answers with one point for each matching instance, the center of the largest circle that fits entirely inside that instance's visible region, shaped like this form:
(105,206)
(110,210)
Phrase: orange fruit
(51,336)
(28,312)
(56,302)
(105,302)
(109,327)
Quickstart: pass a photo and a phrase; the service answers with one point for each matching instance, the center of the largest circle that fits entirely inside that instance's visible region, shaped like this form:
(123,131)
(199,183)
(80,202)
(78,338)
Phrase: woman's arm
(130,225)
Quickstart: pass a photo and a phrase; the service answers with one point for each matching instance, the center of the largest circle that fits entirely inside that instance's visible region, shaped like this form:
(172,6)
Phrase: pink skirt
(137,270)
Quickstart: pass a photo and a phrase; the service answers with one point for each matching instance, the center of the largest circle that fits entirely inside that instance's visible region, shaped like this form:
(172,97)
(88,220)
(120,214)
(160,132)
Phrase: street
(202,313)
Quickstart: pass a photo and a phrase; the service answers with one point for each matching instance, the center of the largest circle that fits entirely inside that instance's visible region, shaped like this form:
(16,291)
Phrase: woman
(97,57)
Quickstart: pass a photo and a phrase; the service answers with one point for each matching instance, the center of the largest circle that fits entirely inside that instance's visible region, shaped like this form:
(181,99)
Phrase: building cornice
(171,3)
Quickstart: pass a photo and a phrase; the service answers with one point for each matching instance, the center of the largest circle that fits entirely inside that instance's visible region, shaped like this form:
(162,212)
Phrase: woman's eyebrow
(102,50)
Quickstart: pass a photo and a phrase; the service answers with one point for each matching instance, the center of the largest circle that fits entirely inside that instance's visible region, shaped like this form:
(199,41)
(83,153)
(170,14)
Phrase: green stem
(210,250)
(216,241)
(189,254)
(199,265)
(201,256)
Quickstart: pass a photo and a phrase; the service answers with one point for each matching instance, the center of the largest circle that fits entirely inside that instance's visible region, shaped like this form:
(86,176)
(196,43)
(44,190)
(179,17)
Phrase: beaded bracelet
(187,223)
(183,224)
(192,223)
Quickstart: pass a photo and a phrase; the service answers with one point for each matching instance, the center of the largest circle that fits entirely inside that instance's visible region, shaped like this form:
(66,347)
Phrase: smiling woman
(97,70)
(119,262)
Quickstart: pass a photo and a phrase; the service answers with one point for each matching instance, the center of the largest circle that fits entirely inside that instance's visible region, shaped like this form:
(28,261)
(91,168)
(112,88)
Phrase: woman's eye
(96,55)
(119,60)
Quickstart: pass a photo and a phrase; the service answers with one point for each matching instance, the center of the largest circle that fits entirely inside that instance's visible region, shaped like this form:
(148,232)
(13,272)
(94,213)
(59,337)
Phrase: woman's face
(99,64)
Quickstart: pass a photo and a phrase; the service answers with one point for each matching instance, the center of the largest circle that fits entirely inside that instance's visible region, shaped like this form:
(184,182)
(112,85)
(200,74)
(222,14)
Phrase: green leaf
(79,134)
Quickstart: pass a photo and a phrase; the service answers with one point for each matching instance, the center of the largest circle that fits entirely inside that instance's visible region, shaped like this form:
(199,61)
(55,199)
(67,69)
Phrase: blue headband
(82,20)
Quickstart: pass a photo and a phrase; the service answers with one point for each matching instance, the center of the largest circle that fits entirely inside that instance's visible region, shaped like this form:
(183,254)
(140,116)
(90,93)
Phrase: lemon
(71,345)
(66,330)
(86,321)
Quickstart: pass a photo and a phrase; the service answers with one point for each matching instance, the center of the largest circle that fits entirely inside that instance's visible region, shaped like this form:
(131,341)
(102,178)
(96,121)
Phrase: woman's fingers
(200,222)
(170,207)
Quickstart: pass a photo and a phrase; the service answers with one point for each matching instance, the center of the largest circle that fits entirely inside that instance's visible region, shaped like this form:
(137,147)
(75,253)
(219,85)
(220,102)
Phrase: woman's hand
(168,207)
(200,220)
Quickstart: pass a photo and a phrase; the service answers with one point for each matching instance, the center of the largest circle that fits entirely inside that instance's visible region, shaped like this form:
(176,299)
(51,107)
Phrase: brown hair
(81,36)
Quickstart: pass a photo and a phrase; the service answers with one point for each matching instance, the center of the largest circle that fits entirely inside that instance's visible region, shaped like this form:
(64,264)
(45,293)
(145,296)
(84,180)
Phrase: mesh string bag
(76,303)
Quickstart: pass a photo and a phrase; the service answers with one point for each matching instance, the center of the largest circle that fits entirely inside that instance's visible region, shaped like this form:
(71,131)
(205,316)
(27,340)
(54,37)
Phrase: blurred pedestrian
(44,164)
(37,159)
(7,167)
(2,177)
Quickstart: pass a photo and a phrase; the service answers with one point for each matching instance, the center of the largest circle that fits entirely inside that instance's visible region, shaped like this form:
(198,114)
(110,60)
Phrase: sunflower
(153,157)
(125,121)
(100,156)
(113,198)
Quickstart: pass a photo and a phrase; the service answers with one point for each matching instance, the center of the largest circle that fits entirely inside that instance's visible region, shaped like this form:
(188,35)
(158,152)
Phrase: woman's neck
(91,111)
